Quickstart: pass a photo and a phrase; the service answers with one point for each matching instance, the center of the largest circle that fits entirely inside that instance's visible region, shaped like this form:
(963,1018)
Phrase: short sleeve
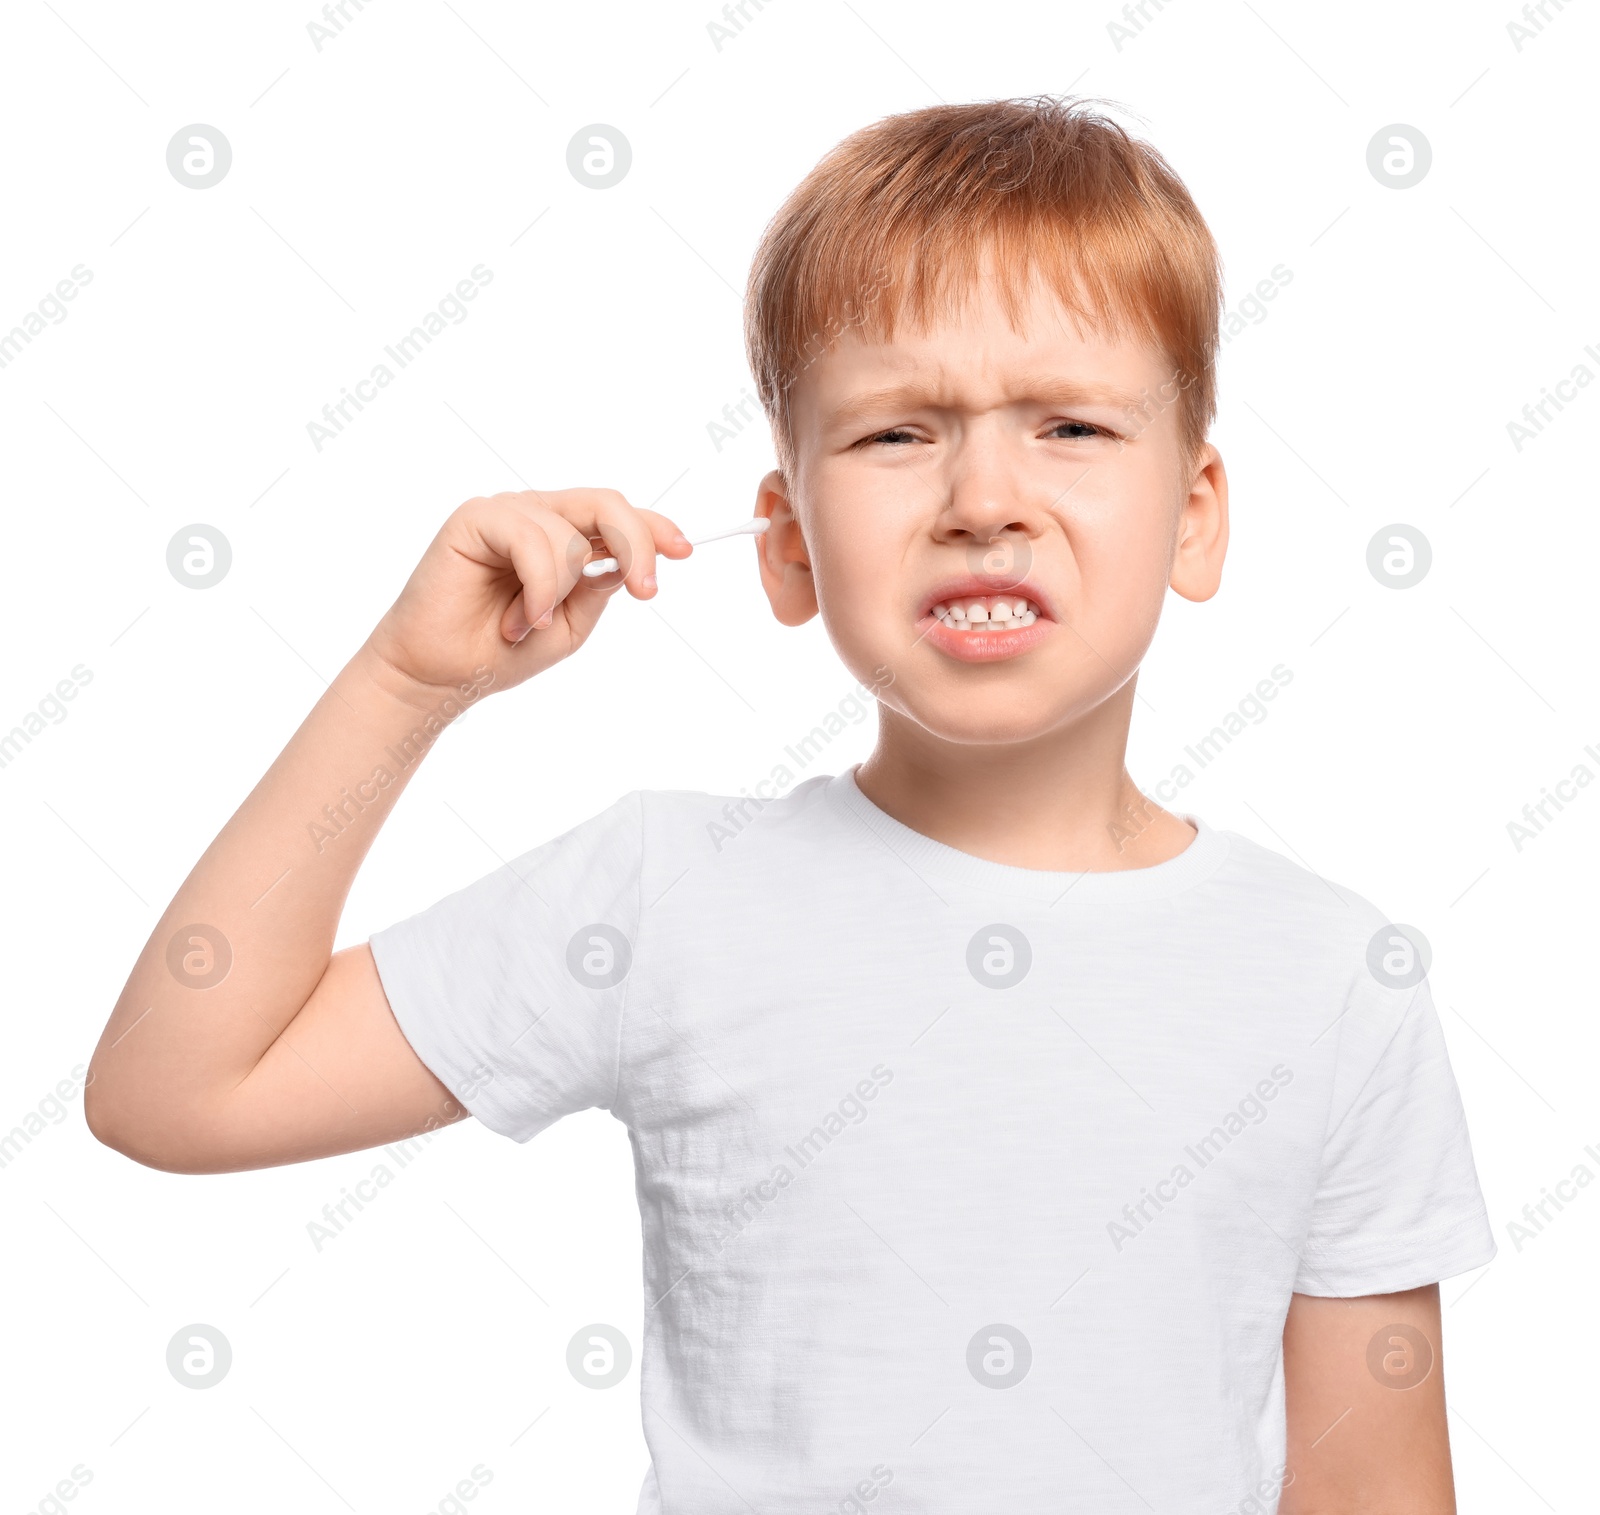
(1397,1203)
(512,990)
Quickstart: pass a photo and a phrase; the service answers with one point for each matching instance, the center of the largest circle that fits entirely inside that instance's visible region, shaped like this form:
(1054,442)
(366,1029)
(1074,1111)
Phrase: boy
(1003,1140)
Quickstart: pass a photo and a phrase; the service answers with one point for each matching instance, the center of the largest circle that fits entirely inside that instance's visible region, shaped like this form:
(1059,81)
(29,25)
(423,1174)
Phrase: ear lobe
(781,552)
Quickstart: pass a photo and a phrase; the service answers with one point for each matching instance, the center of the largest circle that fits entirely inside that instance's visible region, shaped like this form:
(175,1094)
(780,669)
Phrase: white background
(367,178)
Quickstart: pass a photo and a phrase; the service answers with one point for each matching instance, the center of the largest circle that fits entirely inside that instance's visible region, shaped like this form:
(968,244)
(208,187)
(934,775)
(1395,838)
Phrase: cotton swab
(751,528)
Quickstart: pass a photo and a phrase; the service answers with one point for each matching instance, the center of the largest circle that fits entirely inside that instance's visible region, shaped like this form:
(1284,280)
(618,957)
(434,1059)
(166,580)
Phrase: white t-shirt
(964,1187)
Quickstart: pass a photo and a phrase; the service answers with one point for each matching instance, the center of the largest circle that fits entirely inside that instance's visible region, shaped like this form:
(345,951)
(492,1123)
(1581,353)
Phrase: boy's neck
(1063,802)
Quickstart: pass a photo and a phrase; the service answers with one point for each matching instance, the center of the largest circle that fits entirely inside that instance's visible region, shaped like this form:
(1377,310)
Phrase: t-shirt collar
(936,861)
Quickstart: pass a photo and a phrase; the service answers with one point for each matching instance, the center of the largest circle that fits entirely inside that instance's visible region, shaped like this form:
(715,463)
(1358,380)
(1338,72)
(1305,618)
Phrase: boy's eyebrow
(1051,388)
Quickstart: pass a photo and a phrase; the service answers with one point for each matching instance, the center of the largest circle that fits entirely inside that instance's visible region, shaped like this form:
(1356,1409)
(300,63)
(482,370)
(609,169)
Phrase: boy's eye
(895,434)
(1073,429)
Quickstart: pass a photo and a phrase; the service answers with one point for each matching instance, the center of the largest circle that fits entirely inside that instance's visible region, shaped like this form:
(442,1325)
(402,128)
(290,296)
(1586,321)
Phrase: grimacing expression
(1028,486)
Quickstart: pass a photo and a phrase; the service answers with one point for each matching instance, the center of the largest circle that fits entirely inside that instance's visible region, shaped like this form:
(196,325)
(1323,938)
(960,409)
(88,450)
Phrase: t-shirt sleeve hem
(1390,1265)
(400,971)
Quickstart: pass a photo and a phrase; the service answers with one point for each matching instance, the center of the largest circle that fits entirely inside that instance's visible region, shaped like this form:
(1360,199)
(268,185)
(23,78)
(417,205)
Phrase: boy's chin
(980,722)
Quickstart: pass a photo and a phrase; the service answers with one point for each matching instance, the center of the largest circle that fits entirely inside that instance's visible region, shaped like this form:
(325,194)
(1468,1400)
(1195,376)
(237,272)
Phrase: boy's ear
(781,551)
(1201,542)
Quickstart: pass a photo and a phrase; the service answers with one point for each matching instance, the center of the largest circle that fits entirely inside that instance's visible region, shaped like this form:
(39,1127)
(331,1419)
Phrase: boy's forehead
(975,350)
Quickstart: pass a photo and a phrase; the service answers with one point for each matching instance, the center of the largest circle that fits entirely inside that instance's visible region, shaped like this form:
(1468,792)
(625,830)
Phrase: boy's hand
(501,586)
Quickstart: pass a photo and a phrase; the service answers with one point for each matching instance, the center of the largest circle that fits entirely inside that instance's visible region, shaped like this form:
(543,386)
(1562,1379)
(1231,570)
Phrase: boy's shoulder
(698,811)
(667,831)
(1282,894)
(680,829)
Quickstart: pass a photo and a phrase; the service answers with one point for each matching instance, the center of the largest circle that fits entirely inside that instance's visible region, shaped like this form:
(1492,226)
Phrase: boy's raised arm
(241,1040)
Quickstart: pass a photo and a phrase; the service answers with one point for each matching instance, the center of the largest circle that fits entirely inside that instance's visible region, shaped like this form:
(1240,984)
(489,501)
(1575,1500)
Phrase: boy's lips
(982,643)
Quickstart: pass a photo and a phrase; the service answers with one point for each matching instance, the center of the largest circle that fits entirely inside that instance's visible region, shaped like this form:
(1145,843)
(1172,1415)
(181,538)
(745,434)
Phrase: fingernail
(681,540)
(648,581)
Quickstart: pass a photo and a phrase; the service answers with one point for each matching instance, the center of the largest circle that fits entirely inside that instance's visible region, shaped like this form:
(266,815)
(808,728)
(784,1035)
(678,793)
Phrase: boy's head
(985,337)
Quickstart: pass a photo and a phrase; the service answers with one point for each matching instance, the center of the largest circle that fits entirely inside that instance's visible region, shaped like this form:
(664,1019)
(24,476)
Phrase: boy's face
(972,466)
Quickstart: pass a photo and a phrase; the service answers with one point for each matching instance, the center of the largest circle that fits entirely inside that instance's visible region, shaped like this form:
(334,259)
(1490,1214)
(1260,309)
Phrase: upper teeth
(987,612)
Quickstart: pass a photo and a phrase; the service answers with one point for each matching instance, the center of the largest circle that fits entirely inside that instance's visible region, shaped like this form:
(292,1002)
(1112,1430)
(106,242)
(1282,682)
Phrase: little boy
(1003,1140)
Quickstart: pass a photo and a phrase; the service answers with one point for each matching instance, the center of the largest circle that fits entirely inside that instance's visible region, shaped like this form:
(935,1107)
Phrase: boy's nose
(986,512)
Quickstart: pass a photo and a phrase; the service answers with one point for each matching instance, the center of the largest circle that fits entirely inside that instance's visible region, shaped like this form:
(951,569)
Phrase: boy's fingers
(525,543)
(548,536)
(670,540)
(629,539)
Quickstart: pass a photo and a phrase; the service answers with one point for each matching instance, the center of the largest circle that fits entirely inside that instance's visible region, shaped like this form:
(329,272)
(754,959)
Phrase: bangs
(897,224)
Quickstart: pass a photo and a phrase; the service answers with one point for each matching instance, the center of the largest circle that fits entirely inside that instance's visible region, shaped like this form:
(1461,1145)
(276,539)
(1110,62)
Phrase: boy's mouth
(975,622)
(971,604)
